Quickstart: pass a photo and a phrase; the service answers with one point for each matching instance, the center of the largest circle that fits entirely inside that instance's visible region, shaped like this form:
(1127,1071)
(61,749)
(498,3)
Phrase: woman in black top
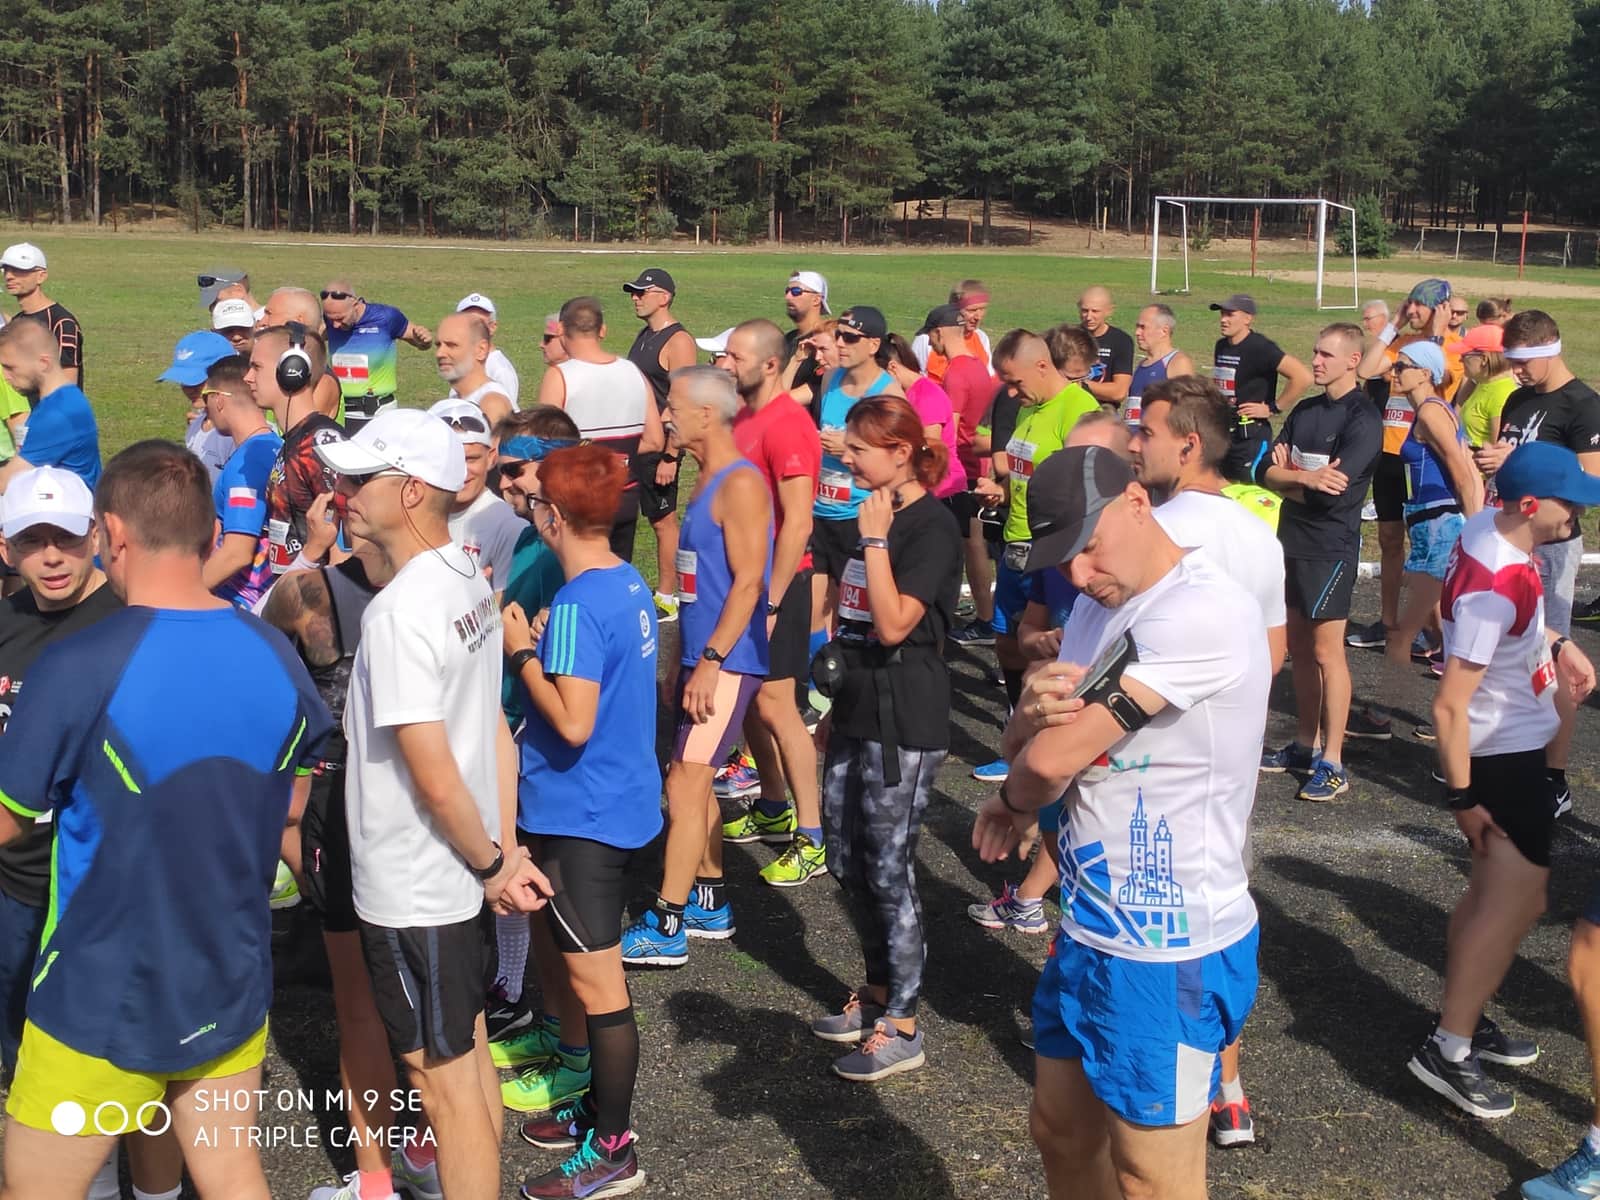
(889,725)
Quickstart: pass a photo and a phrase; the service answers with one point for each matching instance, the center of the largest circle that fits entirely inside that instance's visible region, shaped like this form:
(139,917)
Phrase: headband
(973,298)
(1524,353)
(534,449)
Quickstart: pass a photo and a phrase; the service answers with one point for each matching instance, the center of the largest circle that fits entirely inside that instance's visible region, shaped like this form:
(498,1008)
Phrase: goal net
(1176,211)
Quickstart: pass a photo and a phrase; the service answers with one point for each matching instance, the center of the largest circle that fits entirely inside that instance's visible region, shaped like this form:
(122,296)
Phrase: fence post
(1522,254)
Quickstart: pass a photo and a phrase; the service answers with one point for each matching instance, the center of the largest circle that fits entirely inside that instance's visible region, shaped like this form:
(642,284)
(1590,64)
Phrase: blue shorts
(1146,1033)
(1050,818)
(1431,543)
(1010,598)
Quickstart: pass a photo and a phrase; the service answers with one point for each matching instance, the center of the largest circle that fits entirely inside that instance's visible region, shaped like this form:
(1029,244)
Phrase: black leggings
(585,914)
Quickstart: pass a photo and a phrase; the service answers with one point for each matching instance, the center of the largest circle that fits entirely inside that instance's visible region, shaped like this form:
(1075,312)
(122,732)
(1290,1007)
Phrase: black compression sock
(708,893)
(671,916)
(613,1065)
(1013,686)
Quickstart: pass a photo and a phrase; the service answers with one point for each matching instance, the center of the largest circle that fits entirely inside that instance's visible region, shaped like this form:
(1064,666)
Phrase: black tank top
(349,593)
(646,355)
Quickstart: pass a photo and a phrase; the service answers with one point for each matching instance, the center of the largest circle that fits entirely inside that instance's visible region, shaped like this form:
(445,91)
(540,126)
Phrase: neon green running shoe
(533,1045)
(544,1085)
(755,826)
(285,891)
(802,860)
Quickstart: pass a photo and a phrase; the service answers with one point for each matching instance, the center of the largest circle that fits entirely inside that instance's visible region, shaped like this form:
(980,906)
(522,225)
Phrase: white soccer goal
(1182,203)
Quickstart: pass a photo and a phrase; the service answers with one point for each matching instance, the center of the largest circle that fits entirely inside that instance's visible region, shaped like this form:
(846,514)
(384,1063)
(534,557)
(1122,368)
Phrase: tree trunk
(244,129)
(97,118)
(63,175)
(351,149)
(988,191)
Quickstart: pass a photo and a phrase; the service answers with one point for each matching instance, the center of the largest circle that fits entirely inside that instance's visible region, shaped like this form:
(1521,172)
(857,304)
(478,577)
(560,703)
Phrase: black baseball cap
(654,277)
(1066,496)
(1238,302)
(943,317)
(865,320)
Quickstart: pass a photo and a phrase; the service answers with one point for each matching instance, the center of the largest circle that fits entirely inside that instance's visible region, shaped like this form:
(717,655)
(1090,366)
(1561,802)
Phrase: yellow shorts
(57,1089)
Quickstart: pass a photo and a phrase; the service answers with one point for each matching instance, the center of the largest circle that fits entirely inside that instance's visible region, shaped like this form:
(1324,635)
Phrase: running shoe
(590,1174)
(350,1189)
(1025,1034)
(1578,1178)
(1293,757)
(1232,1124)
(997,771)
(1563,799)
(562,1129)
(1364,723)
(1367,637)
(812,716)
(1327,781)
(1010,911)
(1589,612)
(883,1053)
(1422,647)
(801,860)
(506,1018)
(753,825)
(975,633)
(646,944)
(1463,1084)
(1369,511)
(1493,1044)
(851,1023)
(1426,733)
(542,1086)
(742,779)
(421,1182)
(713,924)
(1438,775)
(535,1044)
(285,891)
(666,609)
(965,607)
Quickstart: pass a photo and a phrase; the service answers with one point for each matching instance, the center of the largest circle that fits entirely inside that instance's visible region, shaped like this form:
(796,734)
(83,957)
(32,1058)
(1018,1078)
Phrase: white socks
(1232,1091)
(1454,1048)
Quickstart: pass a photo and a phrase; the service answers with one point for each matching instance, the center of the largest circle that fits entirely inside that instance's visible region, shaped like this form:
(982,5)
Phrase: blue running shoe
(977,633)
(1327,781)
(996,772)
(713,923)
(1293,757)
(646,944)
(1576,1179)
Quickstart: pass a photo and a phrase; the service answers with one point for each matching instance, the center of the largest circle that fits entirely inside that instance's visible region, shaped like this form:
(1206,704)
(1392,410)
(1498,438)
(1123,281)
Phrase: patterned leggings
(871,835)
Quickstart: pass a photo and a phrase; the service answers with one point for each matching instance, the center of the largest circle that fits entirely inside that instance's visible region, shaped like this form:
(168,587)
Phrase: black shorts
(1520,796)
(430,982)
(625,524)
(325,853)
(1389,487)
(588,879)
(1251,444)
(1319,588)
(833,544)
(789,647)
(964,507)
(655,501)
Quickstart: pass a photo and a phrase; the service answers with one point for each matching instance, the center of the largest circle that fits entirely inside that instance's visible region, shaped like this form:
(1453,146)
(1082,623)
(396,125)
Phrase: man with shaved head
(1112,374)
(61,432)
(361,350)
(461,350)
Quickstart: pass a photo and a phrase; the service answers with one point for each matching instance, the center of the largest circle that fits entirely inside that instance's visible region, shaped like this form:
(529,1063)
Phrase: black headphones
(294,371)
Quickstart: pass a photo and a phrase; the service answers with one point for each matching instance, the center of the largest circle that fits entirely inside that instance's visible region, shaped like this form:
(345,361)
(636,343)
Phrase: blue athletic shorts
(1146,1033)
(1010,598)
(1050,818)
(1431,543)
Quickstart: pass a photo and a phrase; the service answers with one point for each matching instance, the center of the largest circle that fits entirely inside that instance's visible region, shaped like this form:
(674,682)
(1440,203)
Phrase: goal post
(1181,205)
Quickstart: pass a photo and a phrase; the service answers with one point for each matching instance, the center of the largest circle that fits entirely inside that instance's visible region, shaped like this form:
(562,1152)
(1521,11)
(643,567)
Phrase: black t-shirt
(925,555)
(1003,411)
(1568,416)
(63,326)
(1247,373)
(24,633)
(1116,353)
(1317,431)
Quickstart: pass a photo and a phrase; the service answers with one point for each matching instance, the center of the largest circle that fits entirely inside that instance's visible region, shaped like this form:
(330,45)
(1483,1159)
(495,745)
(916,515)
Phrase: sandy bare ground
(1400,281)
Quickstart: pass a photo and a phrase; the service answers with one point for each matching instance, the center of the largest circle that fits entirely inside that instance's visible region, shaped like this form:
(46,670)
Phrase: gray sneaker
(849,1025)
(884,1053)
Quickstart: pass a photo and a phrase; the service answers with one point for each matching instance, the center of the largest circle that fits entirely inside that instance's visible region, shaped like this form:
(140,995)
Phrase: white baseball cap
(477,300)
(233,314)
(408,440)
(48,496)
(466,419)
(24,256)
(716,346)
(812,282)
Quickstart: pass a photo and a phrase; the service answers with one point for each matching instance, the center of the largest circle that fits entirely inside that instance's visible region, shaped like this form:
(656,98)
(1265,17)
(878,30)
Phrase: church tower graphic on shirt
(1150,897)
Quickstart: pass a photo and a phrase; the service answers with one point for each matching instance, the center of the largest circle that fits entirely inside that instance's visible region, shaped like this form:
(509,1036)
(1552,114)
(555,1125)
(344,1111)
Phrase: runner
(497,364)
(1246,368)
(213,282)
(931,403)
(423,797)
(551,347)
(660,348)
(23,266)
(1494,311)
(970,299)
(481,523)
(610,401)
(1489,382)
(236,321)
(587,799)
(361,349)
(139,835)
(192,359)
(1320,463)
(1161,361)
(237,570)
(461,349)
(1112,373)
(61,431)
(1495,713)
(1155,898)
(890,726)
(805,301)
(725,567)
(284,366)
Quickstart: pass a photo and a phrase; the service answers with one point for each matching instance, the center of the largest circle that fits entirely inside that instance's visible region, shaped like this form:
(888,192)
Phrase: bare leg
(1307,679)
(1504,897)
(365,1064)
(980,572)
(44,1165)
(1391,561)
(688,802)
(1169,1162)
(555,984)
(1044,872)
(225,1164)
(155,1162)
(1068,1124)
(1583,969)
(467,1128)
(1328,647)
(667,554)
(776,712)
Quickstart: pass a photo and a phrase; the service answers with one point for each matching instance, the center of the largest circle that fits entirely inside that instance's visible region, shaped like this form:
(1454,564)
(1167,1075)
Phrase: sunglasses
(37,537)
(1458,312)
(544,500)
(207,281)
(468,424)
(795,291)
(361,481)
(848,338)
(204,392)
(338,295)
(512,470)
(1403,366)
(551,337)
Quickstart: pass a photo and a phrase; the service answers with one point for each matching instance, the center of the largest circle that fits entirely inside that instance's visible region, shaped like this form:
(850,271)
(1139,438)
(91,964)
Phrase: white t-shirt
(1152,838)
(1242,545)
(430,651)
(1492,614)
(488,529)
(208,445)
(502,372)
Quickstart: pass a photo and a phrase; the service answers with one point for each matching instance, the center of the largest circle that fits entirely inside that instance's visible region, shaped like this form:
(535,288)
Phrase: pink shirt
(932,404)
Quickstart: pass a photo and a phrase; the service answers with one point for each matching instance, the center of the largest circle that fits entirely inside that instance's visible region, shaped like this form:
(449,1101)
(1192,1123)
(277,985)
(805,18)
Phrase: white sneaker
(350,1189)
(1369,511)
(285,891)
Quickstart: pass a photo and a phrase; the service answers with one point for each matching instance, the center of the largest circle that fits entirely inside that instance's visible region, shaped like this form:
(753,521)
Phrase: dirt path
(1400,282)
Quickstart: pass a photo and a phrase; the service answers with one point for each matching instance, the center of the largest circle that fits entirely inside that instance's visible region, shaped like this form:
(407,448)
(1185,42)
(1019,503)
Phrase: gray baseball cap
(1066,496)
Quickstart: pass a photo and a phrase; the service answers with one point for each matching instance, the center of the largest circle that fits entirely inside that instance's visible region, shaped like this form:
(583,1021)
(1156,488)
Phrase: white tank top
(490,387)
(607,400)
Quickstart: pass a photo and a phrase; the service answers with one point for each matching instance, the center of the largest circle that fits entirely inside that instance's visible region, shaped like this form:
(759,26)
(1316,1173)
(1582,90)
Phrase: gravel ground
(735,1098)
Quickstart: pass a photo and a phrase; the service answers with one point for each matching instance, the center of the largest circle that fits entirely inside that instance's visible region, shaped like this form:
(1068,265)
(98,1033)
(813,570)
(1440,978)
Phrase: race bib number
(686,561)
(1302,461)
(1226,379)
(1541,669)
(1021,455)
(1134,411)
(853,602)
(1398,416)
(279,554)
(350,368)
(834,485)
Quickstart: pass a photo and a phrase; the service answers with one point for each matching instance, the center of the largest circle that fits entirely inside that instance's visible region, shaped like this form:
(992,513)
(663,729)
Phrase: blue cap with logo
(194,356)
(1544,469)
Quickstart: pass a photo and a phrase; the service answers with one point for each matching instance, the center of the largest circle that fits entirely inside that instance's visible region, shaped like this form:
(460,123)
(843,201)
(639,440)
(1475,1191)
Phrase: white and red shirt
(1492,614)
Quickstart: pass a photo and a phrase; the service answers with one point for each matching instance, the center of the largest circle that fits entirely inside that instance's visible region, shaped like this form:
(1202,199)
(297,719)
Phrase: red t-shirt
(971,387)
(782,440)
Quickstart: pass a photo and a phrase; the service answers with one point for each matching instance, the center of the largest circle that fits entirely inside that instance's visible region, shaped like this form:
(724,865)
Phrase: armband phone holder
(1102,683)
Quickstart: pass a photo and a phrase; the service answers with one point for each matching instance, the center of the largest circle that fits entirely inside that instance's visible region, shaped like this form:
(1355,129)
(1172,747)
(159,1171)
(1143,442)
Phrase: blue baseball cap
(1426,355)
(1544,469)
(194,356)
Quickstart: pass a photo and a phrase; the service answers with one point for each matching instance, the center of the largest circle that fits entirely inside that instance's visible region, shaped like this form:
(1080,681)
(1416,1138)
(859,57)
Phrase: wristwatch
(872,543)
(487,873)
(1459,799)
(522,658)
(711,655)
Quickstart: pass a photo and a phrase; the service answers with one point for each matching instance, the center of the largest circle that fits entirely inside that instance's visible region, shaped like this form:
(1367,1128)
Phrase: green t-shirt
(535,577)
(1483,406)
(1041,430)
(12,402)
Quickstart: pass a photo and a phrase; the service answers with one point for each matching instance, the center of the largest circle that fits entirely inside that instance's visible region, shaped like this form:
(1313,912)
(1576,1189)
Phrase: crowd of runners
(448,748)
